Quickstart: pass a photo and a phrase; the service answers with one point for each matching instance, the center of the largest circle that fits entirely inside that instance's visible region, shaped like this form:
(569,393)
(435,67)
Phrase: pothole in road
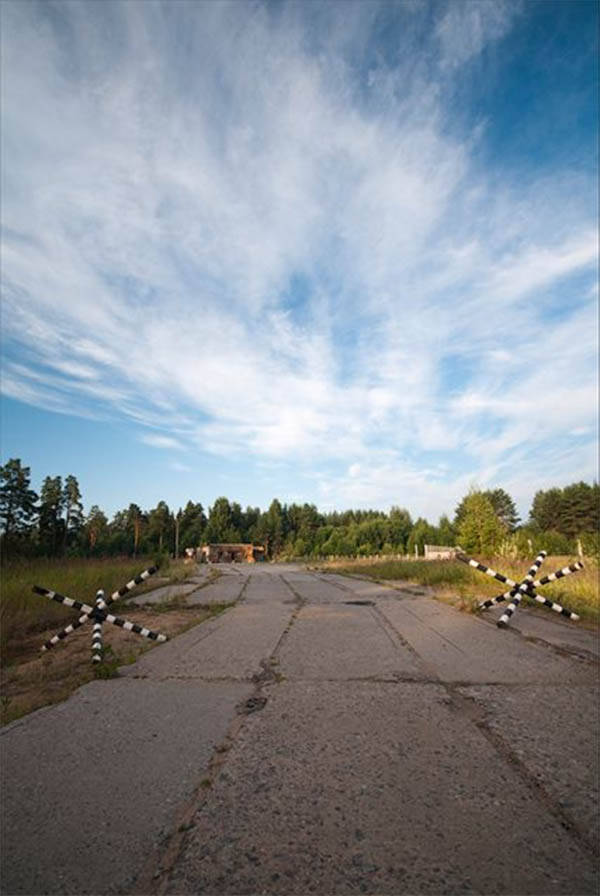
(360,603)
(253,704)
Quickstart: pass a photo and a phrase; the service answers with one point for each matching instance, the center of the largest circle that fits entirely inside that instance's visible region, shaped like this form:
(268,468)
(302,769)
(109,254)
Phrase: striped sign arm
(559,574)
(486,569)
(552,605)
(130,585)
(97,631)
(534,567)
(61,599)
(66,631)
(486,604)
(525,588)
(134,627)
(505,618)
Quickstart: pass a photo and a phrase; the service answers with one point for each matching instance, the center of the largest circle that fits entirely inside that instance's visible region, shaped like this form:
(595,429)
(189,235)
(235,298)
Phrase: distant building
(231,553)
(439,552)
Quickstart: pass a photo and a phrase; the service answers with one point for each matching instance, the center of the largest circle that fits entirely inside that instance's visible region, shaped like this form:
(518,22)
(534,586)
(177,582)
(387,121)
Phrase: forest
(53,524)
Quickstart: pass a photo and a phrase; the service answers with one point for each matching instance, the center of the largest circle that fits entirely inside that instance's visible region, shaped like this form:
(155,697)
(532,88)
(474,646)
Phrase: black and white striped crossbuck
(99,614)
(525,588)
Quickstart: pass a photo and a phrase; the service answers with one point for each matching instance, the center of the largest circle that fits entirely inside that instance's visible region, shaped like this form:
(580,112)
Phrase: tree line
(53,524)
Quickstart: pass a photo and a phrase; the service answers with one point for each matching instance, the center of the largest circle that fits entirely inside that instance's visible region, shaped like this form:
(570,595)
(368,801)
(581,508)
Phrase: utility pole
(177,520)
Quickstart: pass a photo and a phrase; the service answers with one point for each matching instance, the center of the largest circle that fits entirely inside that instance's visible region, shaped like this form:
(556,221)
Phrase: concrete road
(326,735)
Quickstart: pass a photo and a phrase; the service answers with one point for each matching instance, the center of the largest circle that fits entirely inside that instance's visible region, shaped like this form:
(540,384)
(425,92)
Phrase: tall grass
(579,592)
(22,612)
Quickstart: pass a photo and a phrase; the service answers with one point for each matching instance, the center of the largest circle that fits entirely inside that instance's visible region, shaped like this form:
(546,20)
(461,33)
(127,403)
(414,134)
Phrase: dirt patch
(37,679)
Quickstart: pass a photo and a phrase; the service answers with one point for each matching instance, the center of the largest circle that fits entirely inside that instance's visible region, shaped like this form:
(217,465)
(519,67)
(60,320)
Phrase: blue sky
(338,252)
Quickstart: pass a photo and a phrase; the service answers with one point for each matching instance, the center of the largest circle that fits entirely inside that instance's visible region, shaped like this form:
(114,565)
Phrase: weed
(109,666)
(22,612)
(465,587)
(31,680)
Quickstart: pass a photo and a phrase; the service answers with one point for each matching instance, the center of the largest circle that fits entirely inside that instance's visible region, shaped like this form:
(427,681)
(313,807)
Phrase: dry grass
(34,680)
(31,679)
(465,587)
(22,611)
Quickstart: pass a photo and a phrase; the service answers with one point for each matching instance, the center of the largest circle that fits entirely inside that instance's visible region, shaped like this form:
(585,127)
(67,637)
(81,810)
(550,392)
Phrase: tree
(422,533)
(17,502)
(501,501)
(73,510)
(51,523)
(504,507)
(580,511)
(220,527)
(134,522)
(546,509)
(192,525)
(446,534)
(274,527)
(571,510)
(96,528)
(400,527)
(160,524)
(250,518)
(480,531)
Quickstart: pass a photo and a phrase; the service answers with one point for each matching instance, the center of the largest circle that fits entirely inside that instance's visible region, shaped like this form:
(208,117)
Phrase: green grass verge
(22,611)
(579,592)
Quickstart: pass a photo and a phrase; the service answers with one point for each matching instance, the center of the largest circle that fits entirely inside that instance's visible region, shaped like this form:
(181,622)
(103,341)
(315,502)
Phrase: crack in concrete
(154,877)
(477,716)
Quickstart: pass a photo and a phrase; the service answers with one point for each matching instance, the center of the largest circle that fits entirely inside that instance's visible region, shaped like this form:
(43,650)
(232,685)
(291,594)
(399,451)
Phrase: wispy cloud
(262,242)
(158,441)
(465,28)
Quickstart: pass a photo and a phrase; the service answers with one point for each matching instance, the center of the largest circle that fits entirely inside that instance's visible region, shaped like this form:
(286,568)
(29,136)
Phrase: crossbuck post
(99,613)
(525,588)
(97,632)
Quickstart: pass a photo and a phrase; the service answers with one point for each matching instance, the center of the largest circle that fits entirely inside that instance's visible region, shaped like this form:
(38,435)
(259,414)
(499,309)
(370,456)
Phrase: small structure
(231,553)
(439,552)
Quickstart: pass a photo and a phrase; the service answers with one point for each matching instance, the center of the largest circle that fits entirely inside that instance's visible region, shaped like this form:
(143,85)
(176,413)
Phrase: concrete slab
(463,760)
(90,786)
(226,589)
(554,732)
(343,642)
(457,647)
(228,647)
(164,594)
(362,587)
(545,625)
(267,586)
(314,588)
(373,787)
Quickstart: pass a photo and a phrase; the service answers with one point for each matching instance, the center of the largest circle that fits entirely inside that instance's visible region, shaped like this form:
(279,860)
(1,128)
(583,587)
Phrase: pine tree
(51,523)
(96,527)
(73,510)
(17,502)
(160,526)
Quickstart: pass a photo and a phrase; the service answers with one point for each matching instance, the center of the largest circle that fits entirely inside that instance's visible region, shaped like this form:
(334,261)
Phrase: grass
(31,680)
(465,587)
(22,612)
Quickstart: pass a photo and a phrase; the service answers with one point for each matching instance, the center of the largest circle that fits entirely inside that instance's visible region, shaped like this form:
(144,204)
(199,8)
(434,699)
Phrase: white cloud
(158,441)
(468,25)
(179,467)
(264,251)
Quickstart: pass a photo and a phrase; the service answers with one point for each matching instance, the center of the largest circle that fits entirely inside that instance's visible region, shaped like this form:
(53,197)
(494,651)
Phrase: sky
(336,252)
